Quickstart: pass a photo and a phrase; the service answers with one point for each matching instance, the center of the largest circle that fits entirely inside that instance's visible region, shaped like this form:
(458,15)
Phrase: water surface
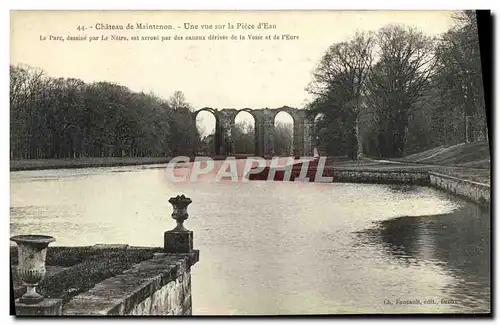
(278,247)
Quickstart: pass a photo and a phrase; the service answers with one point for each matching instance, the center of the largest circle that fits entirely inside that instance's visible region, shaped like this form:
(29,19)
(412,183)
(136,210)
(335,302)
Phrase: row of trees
(68,118)
(390,93)
(397,91)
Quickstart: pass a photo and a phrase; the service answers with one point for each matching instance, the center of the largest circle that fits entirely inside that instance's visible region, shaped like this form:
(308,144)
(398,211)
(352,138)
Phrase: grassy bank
(468,161)
(35,164)
(93,162)
(471,155)
(480,175)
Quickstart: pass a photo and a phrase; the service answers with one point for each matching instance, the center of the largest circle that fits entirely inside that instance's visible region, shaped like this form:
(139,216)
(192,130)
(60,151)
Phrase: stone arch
(264,124)
(206,109)
(256,114)
(290,110)
(255,126)
(248,110)
(299,127)
(218,129)
(283,139)
(318,116)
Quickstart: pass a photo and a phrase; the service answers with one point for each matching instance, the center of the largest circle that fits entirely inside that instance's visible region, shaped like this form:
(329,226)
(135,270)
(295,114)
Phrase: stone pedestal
(46,307)
(178,241)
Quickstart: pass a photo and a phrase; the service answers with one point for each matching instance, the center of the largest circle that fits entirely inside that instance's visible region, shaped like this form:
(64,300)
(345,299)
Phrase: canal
(278,247)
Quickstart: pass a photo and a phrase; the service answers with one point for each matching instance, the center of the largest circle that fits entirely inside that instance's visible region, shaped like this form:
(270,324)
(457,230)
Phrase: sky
(218,74)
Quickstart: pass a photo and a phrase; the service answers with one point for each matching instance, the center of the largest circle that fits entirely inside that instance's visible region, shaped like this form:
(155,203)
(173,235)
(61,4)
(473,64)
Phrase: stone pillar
(233,142)
(46,307)
(268,132)
(226,117)
(262,139)
(217,137)
(298,137)
(256,145)
(308,138)
(179,239)
(194,141)
(229,136)
(269,138)
(258,132)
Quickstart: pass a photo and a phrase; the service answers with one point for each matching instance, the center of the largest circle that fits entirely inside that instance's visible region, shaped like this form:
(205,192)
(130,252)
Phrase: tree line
(389,93)
(68,118)
(398,91)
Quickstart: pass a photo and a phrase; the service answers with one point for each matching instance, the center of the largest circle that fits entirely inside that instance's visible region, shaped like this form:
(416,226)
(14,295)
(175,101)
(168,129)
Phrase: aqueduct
(264,127)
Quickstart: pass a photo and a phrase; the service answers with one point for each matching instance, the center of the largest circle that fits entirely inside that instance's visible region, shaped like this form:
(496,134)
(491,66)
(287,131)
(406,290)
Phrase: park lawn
(467,161)
(472,155)
(94,162)
(480,175)
(88,162)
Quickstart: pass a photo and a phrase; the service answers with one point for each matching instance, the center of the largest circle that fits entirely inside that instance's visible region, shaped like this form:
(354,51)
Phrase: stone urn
(32,251)
(179,239)
(180,204)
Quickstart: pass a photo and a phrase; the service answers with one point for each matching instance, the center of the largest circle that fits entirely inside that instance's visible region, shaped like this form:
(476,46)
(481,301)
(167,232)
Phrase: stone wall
(173,299)
(477,192)
(380,177)
(474,191)
(159,286)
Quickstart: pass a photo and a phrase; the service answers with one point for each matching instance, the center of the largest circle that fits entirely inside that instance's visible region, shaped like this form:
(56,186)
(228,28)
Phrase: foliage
(244,137)
(283,139)
(397,81)
(68,118)
(399,91)
(338,83)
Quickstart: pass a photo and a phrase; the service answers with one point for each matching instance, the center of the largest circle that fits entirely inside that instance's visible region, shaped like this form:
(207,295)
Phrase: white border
(183,5)
(257,4)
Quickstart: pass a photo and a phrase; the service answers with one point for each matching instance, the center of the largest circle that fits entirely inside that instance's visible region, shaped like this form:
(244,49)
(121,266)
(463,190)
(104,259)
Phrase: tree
(400,91)
(67,118)
(207,144)
(181,123)
(329,131)
(243,137)
(283,139)
(397,82)
(339,81)
(459,76)
(178,101)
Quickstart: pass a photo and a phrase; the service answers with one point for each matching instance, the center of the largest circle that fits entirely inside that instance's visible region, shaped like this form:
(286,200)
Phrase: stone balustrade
(157,286)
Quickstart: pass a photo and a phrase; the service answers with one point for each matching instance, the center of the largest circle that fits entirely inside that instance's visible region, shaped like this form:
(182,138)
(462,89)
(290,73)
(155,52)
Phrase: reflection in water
(458,242)
(276,247)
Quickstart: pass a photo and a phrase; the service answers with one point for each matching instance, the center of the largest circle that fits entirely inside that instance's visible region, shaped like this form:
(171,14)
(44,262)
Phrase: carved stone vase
(180,204)
(179,239)
(32,251)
